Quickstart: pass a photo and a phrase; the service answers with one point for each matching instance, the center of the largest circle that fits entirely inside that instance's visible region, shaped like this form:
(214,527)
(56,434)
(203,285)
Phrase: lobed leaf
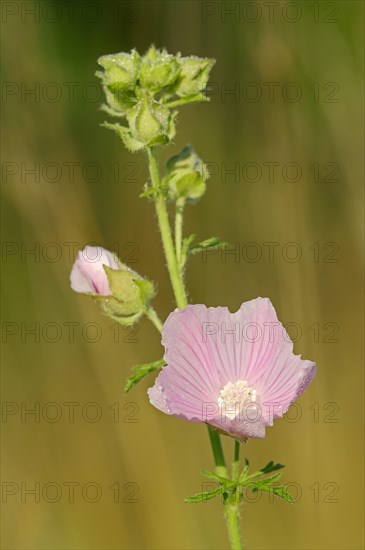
(140,372)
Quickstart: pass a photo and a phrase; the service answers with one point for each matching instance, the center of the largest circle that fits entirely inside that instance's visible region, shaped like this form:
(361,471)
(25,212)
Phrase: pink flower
(235,371)
(88,275)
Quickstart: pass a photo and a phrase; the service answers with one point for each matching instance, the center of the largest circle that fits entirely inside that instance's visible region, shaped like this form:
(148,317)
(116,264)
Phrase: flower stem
(173,256)
(154,318)
(220,463)
(236,460)
(180,203)
(232,505)
(165,229)
(231,513)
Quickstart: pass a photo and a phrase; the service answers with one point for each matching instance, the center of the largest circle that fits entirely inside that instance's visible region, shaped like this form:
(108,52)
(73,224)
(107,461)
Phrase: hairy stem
(154,318)
(173,258)
(180,203)
(231,513)
(165,229)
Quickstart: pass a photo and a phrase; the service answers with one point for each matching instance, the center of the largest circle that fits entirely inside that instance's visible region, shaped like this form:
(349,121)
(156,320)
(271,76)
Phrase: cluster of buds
(121,293)
(145,90)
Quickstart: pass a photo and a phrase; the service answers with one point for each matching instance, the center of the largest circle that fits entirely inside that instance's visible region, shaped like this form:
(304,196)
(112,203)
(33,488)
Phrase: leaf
(228,483)
(262,483)
(150,193)
(140,372)
(279,491)
(271,467)
(185,249)
(207,495)
(211,244)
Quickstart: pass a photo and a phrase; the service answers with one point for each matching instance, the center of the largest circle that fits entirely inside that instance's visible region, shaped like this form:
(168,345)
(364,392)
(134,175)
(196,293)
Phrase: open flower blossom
(88,274)
(234,371)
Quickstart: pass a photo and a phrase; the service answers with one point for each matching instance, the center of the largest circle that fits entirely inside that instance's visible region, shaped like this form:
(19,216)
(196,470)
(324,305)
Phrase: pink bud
(88,275)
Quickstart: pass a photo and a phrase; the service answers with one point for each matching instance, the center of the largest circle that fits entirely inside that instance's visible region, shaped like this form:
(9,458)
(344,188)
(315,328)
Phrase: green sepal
(185,100)
(146,290)
(124,133)
(187,158)
(119,80)
(194,76)
(158,69)
(185,175)
(129,288)
(141,371)
(118,311)
(130,295)
(185,184)
(150,122)
(110,111)
(119,67)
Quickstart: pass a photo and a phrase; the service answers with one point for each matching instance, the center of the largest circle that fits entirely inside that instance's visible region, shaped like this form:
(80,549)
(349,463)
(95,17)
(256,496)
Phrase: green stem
(154,318)
(231,509)
(236,460)
(180,203)
(164,225)
(231,513)
(171,254)
(220,463)
(230,502)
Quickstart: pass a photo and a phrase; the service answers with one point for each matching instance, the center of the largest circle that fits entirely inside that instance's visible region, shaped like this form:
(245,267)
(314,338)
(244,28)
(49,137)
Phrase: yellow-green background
(164,455)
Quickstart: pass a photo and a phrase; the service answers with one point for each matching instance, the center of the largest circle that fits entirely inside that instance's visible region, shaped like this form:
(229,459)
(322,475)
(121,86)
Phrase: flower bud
(158,69)
(121,293)
(194,75)
(88,275)
(119,80)
(150,122)
(185,175)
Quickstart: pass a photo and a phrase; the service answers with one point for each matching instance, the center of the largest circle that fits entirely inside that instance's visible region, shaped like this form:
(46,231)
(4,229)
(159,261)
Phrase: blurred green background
(85,189)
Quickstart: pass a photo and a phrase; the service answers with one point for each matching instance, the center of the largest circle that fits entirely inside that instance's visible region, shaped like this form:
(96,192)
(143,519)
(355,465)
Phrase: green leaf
(262,483)
(211,244)
(207,495)
(228,483)
(149,193)
(141,371)
(271,467)
(185,249)
(279,491)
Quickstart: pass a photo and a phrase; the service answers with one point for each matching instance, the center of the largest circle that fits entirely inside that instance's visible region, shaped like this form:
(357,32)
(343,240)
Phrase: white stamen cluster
(234,397)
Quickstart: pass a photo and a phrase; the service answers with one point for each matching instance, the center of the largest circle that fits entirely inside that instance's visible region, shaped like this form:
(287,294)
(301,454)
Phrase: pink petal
(282,383)
(205,348)
(88,274)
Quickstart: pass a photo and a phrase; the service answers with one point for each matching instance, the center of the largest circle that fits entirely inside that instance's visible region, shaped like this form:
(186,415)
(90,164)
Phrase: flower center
(234,397)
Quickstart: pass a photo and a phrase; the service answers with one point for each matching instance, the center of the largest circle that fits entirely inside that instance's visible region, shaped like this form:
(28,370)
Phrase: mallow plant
(235,372)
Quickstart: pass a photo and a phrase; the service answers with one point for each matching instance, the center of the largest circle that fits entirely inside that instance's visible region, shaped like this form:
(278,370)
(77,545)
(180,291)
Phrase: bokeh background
(85,189)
